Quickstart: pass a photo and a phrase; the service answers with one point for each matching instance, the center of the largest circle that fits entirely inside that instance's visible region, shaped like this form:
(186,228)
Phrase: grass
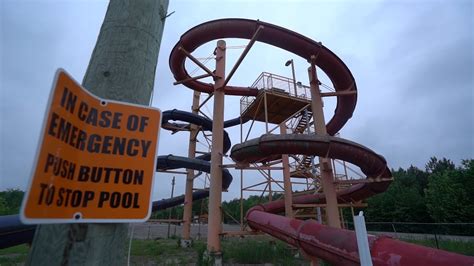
(460,247)
(164,251)
(235,251)
(263,250)
(14,255)
(168,252)
(255,250)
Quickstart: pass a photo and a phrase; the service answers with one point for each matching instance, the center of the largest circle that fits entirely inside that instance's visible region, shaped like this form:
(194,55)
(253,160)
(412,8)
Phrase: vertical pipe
(294,76)
(269,179)
(287,179)
(171,209)
(149,230)
(341,213)
(188,196)
(241,199)
(345,170)
(324,164)
(265,111)
(241,182)
(215,193)
(319,215)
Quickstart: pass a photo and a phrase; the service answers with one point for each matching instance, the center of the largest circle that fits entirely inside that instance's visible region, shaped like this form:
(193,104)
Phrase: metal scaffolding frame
(304,172)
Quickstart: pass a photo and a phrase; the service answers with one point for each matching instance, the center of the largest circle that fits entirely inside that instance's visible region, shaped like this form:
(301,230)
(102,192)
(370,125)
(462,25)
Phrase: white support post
(362,240)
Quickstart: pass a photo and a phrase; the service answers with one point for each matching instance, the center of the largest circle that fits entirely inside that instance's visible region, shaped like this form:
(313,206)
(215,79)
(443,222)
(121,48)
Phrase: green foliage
(450,193)
(10,201)
(164,251)
(200,249)
(248,250)
(20,249)
(403,201)
(14,255)
(439,166)
(441,192)
(461,247)
(147,248)
(253,251)
(232,208)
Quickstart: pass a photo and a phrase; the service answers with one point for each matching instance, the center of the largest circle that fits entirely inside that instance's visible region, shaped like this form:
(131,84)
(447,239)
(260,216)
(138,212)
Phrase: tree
(3,206)
(10,201)
(438,166)
(403,201)
(450,192)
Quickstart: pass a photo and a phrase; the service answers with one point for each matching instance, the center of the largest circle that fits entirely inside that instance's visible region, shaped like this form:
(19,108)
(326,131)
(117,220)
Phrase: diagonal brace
(197,62)
(244,53)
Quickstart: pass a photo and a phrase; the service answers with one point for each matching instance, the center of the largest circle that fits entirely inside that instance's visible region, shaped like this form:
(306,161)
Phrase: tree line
(440,193)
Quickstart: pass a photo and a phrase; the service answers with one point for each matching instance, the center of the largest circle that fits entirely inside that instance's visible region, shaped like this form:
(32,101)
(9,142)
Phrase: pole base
(213,258)
(186,243)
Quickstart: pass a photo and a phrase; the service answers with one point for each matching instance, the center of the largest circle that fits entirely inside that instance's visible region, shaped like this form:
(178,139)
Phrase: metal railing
(452,229)
(277,84)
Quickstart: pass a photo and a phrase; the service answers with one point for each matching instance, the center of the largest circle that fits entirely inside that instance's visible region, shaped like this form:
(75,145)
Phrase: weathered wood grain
(122,67)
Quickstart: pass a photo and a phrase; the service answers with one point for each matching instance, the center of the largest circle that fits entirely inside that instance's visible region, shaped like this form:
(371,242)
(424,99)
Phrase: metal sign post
(362,240)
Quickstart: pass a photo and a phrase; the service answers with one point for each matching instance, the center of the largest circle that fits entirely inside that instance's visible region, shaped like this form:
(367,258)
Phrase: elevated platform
(280,106)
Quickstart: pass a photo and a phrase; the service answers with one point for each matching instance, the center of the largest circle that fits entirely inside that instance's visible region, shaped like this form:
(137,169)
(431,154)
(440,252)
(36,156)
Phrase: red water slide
(338,246)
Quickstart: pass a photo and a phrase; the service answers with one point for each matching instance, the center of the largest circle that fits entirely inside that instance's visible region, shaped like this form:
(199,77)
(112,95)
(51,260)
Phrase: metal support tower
(188,197)
(215,193)
(327,178)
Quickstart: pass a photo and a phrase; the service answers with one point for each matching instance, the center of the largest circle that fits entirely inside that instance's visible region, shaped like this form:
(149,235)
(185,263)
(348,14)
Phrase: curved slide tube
(337,246)
(13,232)
(372,164)
(174,162)
(203,122)
(288,40)
(235,121)
(200,163)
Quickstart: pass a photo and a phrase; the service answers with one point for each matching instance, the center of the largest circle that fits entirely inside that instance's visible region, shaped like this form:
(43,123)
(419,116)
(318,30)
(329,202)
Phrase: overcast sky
(412,61)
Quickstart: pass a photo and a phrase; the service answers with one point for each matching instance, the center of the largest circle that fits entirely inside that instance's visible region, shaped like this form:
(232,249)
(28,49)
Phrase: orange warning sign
(95,160)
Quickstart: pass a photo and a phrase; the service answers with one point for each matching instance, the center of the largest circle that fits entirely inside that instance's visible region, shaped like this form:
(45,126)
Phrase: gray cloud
(424,83)
(413,63)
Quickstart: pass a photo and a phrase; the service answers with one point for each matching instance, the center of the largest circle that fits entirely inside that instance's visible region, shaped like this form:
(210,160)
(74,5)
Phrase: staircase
(302,167)
(305,118)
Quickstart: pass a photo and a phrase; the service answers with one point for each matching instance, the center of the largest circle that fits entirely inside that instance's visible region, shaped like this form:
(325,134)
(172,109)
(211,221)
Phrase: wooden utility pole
(122,67)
